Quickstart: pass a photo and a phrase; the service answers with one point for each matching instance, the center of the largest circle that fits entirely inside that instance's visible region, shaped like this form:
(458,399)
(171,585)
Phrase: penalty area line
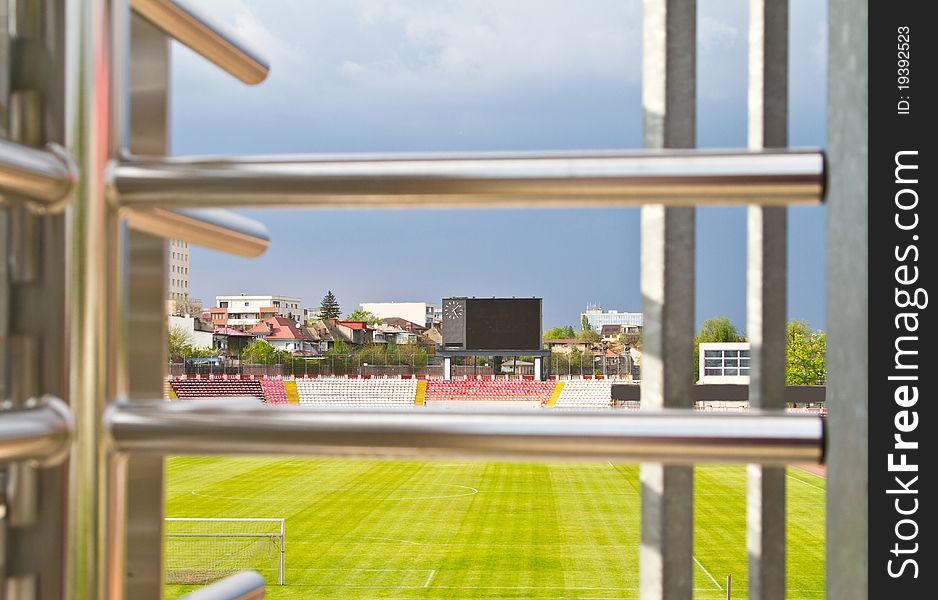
(715,582)
(429,578)
(804,482)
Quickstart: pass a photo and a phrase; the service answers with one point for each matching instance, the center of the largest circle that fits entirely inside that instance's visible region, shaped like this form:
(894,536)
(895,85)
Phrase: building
(392,334)
(724,362)
(597,318)
(198,331)
(566,346)
(231,341)
(177,275)
(283,334)
(243,311)
(421,313)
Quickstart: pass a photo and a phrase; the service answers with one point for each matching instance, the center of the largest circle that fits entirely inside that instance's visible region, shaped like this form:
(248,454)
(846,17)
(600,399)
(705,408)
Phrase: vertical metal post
(667,280)
(766,294)
(847,301)
(96,30)
(146,288)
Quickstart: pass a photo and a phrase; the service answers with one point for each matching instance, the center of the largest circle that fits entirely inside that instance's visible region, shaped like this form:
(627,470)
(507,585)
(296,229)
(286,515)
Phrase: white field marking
(471,491)
(720,587)
(800,470)
(804,482)
(432,573)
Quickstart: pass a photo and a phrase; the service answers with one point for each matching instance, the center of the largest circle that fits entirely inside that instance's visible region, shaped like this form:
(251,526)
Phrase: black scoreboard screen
(492,324)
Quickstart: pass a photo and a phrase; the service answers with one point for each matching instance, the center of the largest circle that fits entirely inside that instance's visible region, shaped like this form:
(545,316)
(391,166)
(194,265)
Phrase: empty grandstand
(585,394)
(274,390)
(340,392)
(505,392)
(208,388)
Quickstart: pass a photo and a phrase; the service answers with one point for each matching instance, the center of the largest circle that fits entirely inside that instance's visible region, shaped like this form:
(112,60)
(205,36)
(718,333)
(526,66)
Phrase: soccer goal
(204,550)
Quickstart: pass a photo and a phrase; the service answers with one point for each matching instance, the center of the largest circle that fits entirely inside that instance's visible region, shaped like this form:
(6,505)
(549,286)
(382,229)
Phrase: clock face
(454,309)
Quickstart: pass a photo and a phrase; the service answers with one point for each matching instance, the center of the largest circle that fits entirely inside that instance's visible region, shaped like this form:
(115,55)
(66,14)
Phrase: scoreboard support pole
(447,368)
(537,368)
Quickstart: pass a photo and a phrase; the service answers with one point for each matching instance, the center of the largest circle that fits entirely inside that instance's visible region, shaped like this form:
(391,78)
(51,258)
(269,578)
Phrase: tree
(584,324)
(560,333)
(179,342)
(588,335)
(805,355)
(717,329)
(364,316)
(187,307)
(329,307)
(260,352)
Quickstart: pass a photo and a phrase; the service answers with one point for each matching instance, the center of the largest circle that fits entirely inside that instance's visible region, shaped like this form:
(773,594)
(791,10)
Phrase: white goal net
(204,550)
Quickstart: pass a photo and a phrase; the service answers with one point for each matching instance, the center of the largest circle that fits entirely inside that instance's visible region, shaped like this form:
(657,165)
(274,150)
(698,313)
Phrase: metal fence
(89,136)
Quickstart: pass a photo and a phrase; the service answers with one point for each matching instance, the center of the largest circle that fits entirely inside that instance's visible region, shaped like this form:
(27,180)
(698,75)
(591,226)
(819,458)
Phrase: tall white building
(243,311)
(177,275)
(597,318)
(419,313)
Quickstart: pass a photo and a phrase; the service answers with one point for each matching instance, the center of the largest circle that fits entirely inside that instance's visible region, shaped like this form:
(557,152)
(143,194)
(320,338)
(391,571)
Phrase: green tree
(364,316)
(588,335)
(329,307)
(805,355)
(584,324)
(260,352)
(179,342)
(717,329)
(560,333)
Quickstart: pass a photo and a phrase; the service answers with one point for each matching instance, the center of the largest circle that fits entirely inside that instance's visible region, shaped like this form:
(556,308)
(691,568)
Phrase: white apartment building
(419,313)
(243,311)
(724,362)
(598,317)
(177,274)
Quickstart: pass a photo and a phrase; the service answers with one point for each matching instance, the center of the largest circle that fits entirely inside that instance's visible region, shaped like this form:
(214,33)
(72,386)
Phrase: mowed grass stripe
(373,529)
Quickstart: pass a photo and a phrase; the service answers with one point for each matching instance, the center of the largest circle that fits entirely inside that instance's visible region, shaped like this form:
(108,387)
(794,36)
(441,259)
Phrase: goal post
(200,550)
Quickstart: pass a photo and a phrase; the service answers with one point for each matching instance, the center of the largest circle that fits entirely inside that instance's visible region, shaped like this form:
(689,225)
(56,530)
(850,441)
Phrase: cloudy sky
(416,75)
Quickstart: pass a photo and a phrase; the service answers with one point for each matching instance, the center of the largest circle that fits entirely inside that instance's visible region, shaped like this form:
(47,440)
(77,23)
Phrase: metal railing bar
(494,180)
(187,26)
(40,432)
(675,437)
(247,585)
(45,176)
(217,229)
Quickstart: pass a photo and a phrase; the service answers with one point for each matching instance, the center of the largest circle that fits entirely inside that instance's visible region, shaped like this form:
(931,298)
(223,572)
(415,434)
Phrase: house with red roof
(283,334)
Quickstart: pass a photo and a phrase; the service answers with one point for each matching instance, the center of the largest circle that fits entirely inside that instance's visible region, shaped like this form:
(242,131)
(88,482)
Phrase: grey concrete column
(847,301)
(668,98)
(766,294)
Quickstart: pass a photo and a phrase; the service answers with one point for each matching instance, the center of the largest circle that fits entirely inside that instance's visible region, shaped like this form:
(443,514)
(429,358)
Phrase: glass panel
(744,362)
(744,352)
(731,372)
(716,372)
(731,362)
(713,362)
(712,353)
(733,353)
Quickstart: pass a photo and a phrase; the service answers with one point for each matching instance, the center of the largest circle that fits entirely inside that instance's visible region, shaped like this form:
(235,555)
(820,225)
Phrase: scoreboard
(492,324)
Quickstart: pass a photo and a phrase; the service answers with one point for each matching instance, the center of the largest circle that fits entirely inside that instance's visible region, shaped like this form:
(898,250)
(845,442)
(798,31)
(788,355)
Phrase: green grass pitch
(374,529)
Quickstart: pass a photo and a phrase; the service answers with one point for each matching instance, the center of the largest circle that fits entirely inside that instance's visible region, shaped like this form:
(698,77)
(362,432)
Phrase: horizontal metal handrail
(182,23)
(680,437)
(246,585)
(45,176)
(531,180)
(41,432)
(217,229)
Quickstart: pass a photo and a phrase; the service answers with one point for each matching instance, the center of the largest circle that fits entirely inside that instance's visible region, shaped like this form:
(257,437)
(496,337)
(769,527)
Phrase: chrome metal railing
(114,176)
